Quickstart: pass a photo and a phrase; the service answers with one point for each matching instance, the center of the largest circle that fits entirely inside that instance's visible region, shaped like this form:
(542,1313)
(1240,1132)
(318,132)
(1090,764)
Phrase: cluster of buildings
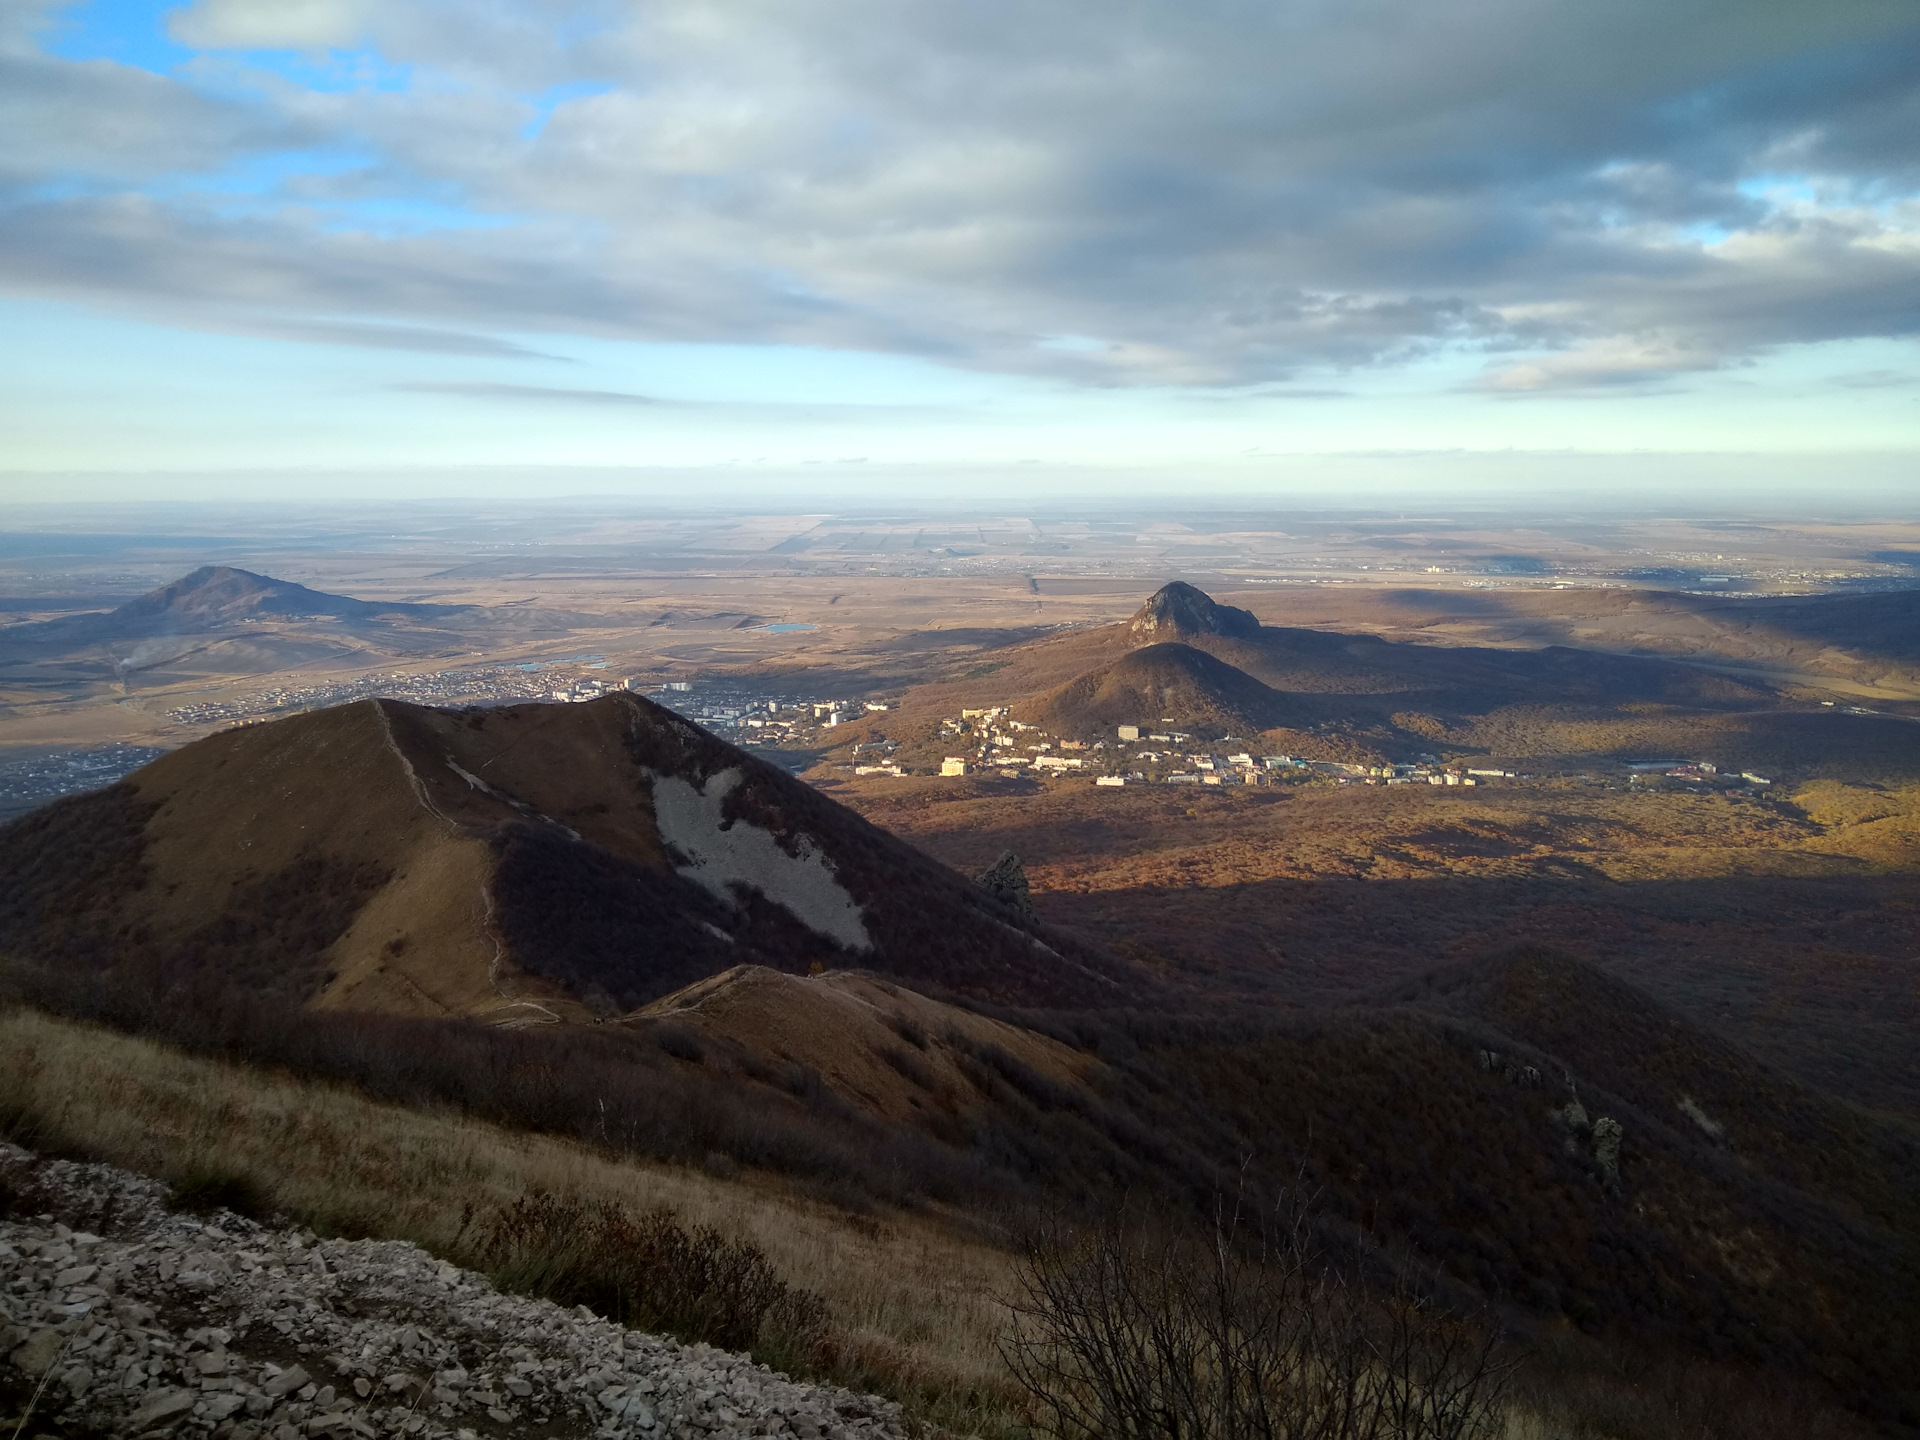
(1139,755)
(37,779)
(1692,772)
(740,711)
(476,685)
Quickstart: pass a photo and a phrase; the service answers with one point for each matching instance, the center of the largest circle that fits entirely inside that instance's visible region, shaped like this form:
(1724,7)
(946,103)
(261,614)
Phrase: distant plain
(897,598)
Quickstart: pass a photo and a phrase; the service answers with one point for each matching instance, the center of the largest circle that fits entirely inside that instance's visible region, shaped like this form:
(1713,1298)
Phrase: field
(892,599)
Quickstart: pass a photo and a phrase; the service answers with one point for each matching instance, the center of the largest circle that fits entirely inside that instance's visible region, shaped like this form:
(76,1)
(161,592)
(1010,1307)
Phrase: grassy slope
(911,1297)
(1386,1115)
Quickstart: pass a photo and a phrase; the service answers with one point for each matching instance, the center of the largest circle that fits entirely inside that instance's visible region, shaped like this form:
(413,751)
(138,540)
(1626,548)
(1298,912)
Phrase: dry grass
(912,1301)
(1877,823)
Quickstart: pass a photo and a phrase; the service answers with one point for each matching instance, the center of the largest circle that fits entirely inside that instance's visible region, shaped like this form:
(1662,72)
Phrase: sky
(300,248)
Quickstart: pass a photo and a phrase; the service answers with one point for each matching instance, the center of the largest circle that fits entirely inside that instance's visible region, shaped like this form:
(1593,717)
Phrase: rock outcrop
(150,1323)
(1006,881)
(1178,610)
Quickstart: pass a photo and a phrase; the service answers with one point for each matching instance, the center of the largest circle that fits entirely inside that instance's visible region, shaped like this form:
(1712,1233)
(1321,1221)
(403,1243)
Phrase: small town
(989,741)
(474,685)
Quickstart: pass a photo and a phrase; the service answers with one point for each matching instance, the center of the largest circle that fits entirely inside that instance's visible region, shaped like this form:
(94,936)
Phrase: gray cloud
(542,394)
(489,390)
(1206,193)
(94,123)
(359,335)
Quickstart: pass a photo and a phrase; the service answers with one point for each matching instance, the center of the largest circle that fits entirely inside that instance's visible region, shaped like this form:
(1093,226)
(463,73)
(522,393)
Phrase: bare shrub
(909,1030)
(1134,1331)
(651,1272)
(910,1067)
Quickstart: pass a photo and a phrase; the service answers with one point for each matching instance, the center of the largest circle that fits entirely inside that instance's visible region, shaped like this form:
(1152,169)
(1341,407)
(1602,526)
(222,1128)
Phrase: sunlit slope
(526,863)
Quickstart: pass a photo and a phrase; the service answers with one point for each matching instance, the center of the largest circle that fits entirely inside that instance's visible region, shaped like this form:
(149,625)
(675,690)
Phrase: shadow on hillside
(1816,974)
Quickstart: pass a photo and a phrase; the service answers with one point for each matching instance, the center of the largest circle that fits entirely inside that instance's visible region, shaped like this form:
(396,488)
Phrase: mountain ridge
(217,597)
(527,863)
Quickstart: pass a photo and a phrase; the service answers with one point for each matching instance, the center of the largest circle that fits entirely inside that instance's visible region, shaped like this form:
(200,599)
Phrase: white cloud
(1221,193)
(269,24)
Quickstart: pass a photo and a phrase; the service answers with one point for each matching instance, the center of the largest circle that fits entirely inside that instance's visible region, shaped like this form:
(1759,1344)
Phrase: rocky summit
(1178,610)
(150,1323)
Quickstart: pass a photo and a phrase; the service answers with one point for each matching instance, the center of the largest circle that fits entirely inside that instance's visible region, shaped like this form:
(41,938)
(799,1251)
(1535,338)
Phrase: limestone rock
(363,1315)
(1178,610)
(1607,1135)
(1006,881)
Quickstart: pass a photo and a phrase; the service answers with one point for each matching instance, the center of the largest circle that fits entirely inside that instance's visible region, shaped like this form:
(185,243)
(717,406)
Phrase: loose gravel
(119,1317)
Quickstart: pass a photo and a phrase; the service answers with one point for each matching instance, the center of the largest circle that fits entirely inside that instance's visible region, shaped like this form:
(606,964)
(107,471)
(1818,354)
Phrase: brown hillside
(890,1052)
(1165,684)
(527,863)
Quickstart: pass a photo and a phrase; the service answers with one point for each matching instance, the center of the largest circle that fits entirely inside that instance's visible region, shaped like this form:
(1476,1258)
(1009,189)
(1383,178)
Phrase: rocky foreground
(121,1318)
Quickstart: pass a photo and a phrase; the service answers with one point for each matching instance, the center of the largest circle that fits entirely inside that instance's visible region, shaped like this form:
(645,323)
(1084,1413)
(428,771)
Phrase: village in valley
(989,741)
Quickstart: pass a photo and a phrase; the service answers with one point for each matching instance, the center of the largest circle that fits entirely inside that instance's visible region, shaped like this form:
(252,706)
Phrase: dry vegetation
(1786,923)
(911,1299)
(914,1303)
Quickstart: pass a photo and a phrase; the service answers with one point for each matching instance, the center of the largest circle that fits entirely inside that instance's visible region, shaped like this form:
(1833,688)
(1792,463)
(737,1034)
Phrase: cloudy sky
(1202,239)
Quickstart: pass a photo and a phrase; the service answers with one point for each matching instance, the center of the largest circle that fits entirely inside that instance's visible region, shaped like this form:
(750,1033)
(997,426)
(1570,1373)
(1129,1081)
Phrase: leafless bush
(1133,1331)
(652,1272)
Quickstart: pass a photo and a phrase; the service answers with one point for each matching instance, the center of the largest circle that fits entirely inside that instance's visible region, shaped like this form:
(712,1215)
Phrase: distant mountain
(1179,611)
(1185,661)
(1166,684)
(525,863)
(219,595)
(215,598)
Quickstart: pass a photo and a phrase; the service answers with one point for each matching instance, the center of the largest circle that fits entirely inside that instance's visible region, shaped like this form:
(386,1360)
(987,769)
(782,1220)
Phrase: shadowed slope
(1166,684)
(527,863)
(1611,1036)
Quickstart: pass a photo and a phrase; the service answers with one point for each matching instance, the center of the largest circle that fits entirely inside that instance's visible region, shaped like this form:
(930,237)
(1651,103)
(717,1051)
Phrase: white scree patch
(690,820)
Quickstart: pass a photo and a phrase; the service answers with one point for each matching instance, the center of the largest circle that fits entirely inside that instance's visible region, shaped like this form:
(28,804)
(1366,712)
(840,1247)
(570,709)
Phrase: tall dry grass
(911,1300)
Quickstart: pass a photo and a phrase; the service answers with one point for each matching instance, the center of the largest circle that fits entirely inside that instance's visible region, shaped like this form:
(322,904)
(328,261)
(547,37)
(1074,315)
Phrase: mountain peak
(1179,609)
(618,851)
(1166,682)
(217,595)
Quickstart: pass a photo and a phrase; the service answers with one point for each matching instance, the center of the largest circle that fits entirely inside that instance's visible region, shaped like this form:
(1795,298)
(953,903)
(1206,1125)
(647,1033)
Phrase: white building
(954,765)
